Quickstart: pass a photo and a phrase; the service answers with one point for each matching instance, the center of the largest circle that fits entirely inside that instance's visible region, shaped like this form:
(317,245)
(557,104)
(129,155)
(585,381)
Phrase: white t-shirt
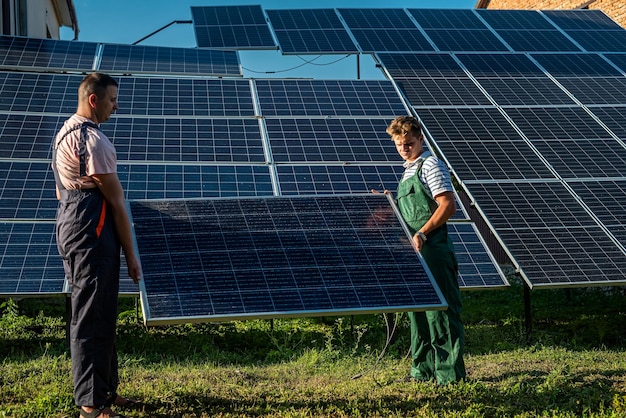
(434,176)
(100,156)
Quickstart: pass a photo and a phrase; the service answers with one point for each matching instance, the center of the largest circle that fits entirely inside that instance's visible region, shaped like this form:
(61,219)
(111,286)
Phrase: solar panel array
(510,99)
(214,260)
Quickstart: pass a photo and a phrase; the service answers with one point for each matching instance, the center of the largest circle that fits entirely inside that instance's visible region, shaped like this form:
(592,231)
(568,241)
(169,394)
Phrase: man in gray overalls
(92,224)
(426,201)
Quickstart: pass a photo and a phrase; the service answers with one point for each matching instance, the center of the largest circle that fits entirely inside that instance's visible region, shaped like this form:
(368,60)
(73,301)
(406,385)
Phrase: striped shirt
(434,176)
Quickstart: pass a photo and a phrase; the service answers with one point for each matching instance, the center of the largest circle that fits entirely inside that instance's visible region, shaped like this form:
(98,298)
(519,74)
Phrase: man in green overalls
(426,201)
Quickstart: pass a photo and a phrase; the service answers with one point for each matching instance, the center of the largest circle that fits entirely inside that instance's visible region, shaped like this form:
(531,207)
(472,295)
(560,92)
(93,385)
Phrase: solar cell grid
(234,27)
(157,96)
(606,198)
(27,190)
(500,65)
(466,124)
(158,181)
(613,117)
(368,269)
(420,65)
(336,179)
(31,92)
(576,65)
(477,269)
(301,41)
(304,19)
(537,40)
(581,19)
(447,19)
(465,40)
(525,92)
(617,59)
(391,40)
(162,60)
(566,257)
(22,52)
(530,205)
(27,136)
(600,41)
(442,92)
(330,140)
(564,157)
(557,123)
(376,18)
(596,90)
(476,160)
(515,19)
(29,260)
(186,140)
(328,98)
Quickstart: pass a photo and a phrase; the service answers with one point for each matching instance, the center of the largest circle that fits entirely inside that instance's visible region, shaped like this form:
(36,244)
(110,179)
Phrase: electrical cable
(297,66)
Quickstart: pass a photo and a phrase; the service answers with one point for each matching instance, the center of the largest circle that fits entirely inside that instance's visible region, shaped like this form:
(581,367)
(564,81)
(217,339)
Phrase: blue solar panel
(132,59)
(576,65)
(565,246)
(231,27)
(596,90)
(336,179)
(27,190)
(328,98)
(30,263)
(618,59)
(601,41)
(581,19)
(447,19)
(46,54)
(525,91)
(310,31)
(477,269)
(186,140)
(330,140)
(613,117)
(207,260)
(41,93)
(161,181)
(537,40)
(420,65)
(465,40)
(427,92)
(500,65)
(515,19)
(27,136)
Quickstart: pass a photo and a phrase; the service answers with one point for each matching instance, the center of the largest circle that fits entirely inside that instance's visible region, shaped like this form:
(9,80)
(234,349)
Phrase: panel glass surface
(537,40)
(28,136)
(231,27)
(186,140)
(163,60)
(613,117)
(420,65)
(310,31)
(525,91)
(477,269)
(600,41)
(596,90)
(557,123)
(576,65)
(581,19)
(27,190)
(156,96)
(29,260)
(142,181)
(33,53)
(330,140)
(447,19)
(617,59)
(257,258)
(552,237)
(376,18)
(391,40)
(465,40)
(328,98)
(32,92)
(442,92)
(500,65)
(515,19)
(336,179)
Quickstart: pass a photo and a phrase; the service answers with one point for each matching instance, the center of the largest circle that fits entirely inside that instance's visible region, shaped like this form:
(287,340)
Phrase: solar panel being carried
(215,260)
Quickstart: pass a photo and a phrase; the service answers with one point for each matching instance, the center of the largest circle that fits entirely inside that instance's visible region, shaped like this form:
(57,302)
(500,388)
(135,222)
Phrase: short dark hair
(402,125)
(95,83)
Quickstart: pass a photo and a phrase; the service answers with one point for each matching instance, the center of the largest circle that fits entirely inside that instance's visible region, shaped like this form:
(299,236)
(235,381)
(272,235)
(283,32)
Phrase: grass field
(573,364)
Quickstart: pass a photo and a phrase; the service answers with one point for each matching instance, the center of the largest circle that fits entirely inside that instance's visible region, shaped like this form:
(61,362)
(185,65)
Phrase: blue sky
(127,21)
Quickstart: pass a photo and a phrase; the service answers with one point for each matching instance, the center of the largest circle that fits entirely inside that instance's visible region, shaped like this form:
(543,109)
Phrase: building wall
(615,9)
(34,18)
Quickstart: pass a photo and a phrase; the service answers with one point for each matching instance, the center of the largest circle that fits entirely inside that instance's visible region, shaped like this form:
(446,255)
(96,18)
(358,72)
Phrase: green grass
(573,364)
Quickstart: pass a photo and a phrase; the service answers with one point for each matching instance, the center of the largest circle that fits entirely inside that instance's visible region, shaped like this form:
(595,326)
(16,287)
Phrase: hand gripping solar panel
(230,259)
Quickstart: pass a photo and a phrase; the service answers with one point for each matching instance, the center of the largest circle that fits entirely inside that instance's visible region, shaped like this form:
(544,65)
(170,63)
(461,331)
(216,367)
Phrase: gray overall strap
(81,150)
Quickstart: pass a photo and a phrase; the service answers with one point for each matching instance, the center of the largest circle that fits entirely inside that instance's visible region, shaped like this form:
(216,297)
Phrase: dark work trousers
(88,244)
